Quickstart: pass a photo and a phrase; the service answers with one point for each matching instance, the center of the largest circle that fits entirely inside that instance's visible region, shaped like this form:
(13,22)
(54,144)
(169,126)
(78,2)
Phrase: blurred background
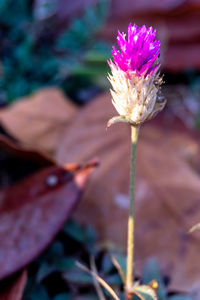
(54,106)
(71,41)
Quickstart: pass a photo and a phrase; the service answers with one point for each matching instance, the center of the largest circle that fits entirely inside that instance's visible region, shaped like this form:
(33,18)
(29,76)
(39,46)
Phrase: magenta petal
(149,63)
(139,52)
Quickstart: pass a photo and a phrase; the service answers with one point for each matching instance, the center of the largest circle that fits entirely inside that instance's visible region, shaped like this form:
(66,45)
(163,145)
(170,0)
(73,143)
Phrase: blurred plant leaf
(55,251)
(78,277)
(64,263)
(63,296)
(89,296)
(75,231)
(114,279)
(44,271)
(90,70)
(145,292)
(152,272)
(119,262)
(91,237)
(96,57)
(180,297)
(80,31)
(107,265)
(29,38)
(38,292)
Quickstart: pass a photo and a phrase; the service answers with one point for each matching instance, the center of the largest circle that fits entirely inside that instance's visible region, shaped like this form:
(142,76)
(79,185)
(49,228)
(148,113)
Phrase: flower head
(135,74)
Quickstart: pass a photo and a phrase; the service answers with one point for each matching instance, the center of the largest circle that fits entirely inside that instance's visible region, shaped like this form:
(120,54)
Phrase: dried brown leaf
(33,211)
(167,188)
(14,149)
(38,121)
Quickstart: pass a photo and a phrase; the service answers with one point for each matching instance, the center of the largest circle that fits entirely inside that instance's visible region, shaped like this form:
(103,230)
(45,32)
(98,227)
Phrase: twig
(96,282)
(100,280)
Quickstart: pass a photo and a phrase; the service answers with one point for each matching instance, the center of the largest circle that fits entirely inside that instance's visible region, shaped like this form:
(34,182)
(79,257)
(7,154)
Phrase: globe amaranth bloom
(135,76)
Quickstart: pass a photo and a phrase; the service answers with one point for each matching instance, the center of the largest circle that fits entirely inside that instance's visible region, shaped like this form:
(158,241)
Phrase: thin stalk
(130,242)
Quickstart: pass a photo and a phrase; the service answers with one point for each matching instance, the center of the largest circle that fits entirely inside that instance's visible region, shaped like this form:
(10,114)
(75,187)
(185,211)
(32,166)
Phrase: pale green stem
(130,244)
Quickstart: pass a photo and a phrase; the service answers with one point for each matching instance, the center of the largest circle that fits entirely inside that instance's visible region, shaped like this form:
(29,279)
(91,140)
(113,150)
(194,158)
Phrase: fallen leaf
(39,120)
(167,186)
(169,206)
(12,288)
(167,189)
(34,210)
(14,149)
(17,162)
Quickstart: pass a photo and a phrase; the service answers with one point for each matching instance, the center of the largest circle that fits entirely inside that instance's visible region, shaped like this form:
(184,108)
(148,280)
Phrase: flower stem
(130,244)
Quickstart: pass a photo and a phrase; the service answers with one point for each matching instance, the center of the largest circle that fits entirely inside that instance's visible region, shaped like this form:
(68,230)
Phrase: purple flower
(135,77)
(139,52)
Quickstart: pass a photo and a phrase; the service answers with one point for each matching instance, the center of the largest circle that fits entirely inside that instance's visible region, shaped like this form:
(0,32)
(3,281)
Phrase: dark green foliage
(34,53)
(75,231)
(63,296)
(197,121)
(152,272)
(180,297)
(38,291)
(55,275)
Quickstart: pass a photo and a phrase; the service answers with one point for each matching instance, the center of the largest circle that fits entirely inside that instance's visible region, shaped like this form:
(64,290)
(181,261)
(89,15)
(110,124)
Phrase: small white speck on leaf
(122,200)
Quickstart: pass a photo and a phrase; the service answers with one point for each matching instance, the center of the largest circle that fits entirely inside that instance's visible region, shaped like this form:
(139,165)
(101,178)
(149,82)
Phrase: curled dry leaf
(12,288)
(13,149)
(34,210)
(38,121)
(167,189)
(17,162)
